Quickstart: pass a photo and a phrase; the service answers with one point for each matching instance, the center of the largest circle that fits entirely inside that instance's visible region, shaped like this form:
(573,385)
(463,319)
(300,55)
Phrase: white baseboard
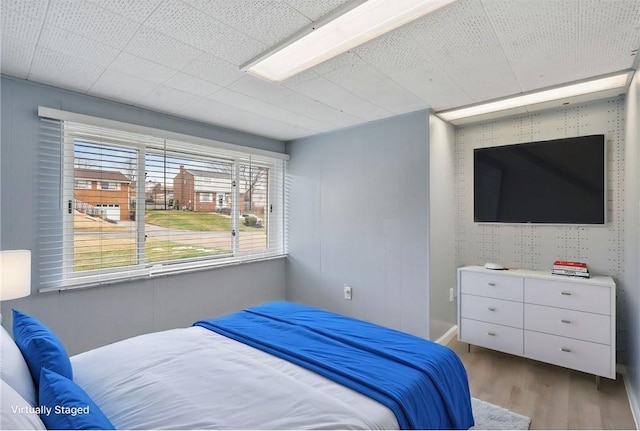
(448,336)
(633,401)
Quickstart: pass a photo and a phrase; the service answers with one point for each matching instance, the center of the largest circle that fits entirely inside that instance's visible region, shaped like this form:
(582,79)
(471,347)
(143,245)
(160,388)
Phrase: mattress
(193,378)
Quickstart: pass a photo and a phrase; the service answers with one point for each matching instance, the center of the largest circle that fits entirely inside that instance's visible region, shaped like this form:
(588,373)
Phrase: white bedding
(193,378)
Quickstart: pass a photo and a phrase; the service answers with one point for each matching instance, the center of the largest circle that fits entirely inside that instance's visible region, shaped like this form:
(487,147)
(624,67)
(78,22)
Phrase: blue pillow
(65,406)
(40,347)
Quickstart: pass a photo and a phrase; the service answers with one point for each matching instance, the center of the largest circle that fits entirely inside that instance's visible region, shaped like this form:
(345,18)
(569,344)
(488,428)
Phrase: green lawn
(194,221)
(100,253)
(105,251)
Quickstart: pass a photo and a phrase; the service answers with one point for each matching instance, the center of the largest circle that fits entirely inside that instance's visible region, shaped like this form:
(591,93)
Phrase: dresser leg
(598,383)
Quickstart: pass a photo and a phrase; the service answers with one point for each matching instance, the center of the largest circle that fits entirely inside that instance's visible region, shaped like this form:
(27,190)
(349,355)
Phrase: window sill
(154,272)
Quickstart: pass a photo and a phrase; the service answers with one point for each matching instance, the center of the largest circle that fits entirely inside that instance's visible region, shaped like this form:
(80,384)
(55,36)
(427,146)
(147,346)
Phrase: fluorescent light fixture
(327,39)
(617,80)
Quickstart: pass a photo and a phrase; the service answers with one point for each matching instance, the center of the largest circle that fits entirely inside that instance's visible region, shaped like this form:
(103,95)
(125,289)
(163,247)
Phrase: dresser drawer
(491,285)
(563,294)
(497,337)
(575,354)
(491,310)
(568,323)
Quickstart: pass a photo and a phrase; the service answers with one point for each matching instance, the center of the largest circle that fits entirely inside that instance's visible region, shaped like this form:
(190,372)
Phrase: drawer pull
(492,284)
(565,321)
(565,293)
(492,309)
(491,334)
(564,349)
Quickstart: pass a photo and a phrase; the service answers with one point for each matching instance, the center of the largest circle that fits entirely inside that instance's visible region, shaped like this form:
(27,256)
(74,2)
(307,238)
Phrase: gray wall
(359,215)
(92,317)
(632,243)
(537,246)
(442,207)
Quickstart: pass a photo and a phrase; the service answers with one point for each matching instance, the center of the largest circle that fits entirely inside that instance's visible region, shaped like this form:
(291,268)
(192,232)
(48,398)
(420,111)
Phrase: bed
(276,366)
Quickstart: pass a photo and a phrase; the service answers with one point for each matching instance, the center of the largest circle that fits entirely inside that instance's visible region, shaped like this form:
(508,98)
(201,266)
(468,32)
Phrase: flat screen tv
(553,182)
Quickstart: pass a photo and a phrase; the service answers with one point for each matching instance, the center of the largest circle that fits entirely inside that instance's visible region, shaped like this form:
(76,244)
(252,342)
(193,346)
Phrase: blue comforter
(423,383)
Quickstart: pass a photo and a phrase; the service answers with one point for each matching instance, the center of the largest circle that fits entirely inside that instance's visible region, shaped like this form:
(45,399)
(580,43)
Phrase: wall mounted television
(561,182)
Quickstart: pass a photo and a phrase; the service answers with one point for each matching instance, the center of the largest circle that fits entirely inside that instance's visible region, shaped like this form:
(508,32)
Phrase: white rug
(491,417)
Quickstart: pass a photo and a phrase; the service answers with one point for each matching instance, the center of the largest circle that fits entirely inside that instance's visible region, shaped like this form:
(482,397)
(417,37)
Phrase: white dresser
(565,321)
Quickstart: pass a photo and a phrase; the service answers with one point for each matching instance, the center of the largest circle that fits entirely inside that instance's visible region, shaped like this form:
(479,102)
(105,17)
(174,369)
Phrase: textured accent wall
(536,246)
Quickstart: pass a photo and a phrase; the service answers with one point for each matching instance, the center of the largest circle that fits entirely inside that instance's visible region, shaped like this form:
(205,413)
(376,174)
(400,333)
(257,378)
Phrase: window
(82,184)
(106,185)
(202,206)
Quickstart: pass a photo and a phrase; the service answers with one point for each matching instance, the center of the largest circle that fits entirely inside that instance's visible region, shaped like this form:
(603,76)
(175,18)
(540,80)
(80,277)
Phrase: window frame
(71,279)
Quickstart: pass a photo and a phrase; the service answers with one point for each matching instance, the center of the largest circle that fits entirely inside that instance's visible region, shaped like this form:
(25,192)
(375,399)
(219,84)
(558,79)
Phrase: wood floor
(554,397)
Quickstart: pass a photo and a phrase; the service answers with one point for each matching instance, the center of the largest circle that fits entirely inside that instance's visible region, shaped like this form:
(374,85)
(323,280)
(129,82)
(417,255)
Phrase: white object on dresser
(565,321)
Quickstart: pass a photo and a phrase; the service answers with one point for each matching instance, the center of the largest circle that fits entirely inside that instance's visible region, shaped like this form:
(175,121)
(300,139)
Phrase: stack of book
(570,268)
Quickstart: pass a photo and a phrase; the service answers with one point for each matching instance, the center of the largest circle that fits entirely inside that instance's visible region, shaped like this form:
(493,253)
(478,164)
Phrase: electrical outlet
(347,292)
(451,295)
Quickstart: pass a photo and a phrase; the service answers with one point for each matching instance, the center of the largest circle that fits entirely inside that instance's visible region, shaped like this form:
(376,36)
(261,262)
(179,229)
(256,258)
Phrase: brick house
(157,196)
(103,189)
(202,191)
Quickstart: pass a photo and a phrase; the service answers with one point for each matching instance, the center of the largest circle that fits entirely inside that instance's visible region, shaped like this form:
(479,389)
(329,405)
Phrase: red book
(570,263)
(571,268)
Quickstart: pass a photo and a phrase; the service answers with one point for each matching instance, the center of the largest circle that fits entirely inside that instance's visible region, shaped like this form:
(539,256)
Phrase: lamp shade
(15,274)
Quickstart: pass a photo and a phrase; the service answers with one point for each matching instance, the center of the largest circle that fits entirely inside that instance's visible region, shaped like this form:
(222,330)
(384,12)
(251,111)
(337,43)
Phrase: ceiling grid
(183,57)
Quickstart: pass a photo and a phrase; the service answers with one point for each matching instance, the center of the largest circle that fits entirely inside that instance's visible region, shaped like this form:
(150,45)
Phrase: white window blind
(117,205)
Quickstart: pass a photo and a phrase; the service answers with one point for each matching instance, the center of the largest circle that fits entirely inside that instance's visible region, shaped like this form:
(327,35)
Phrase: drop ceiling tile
(609,31)
(299,78)
(211,111)
(135,10)
(433,86)
(159,48)
(394,52)
(166,99)
(15,57)
(20,27)
(325,91)
(91,21)
(142,68)
(33,9)
(247,103)
(288,99)
(193,27)
(364,81)
(119,86)
(231,12)
(345,59)
(213,69)
(275,23)
(461,39)
(316,9)
(523,31)
(77,46)
(53,68)
(234,46)
(192,85)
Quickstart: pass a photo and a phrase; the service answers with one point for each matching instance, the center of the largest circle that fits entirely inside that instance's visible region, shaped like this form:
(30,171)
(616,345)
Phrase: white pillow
(15,412)
(14,370)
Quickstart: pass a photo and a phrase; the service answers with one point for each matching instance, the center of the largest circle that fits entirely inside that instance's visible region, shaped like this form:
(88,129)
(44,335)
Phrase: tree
(253,178)
(130,169)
